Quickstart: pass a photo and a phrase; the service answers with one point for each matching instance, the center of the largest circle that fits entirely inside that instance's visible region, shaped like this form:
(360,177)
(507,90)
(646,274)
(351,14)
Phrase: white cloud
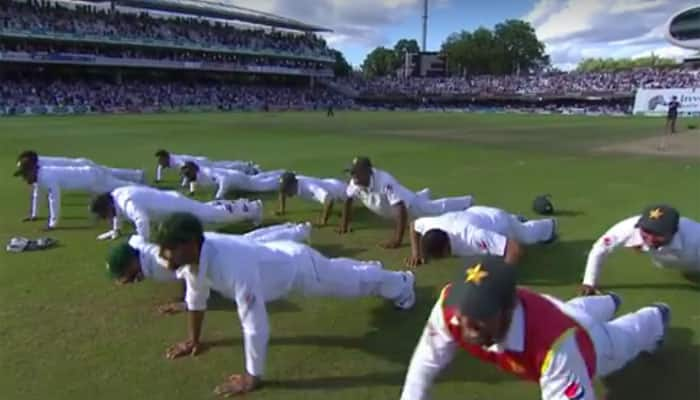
(576,29)
(359,22)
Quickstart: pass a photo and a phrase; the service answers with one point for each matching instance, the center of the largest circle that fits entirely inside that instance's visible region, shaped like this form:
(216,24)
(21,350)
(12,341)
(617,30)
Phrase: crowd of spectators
(87,20)
(145,95)
(543,84)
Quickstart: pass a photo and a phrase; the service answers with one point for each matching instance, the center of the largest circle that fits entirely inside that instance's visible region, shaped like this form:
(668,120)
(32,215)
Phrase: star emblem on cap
(476,274)
(656,213)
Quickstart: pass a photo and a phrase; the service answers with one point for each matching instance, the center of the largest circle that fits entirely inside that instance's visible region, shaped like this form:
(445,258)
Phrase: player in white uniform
(324,191)
(132,175)
(475,231)
(143,205)
(385,196)
(171,160)
(225,180)
(137,259)
(672,241)
(252,274)
(562,346)
(53,180)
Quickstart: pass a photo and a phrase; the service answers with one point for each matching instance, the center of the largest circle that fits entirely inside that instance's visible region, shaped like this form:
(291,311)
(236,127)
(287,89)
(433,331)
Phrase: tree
(521,50)
(511,47)
(402,47)
(341,67)
(621,64)
(380,62)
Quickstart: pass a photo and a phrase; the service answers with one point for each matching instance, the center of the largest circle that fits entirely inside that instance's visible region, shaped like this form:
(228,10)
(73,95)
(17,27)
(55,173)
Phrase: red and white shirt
(547,342)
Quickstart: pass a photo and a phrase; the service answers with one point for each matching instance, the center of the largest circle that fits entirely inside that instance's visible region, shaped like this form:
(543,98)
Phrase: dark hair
(30,154)
(433,243)
(102,204)
(287,179)
(162,153)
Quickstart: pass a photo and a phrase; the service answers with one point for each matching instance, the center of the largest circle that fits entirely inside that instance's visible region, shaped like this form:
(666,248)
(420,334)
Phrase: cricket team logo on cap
(475,274)
(656,213)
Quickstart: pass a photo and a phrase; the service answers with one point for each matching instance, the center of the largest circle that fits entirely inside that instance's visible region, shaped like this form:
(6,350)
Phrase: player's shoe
(665,312)
(555,232)
(305,229)
(408,298)
(616,299)
(424,194)
(258,217)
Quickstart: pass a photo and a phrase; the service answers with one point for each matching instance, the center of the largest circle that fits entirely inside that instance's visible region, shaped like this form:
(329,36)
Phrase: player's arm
(326,213)
(196,297)
(282,203)
(514,252)
(33,201)
(54,195)
(399,228)
(564,374)
(416,257)
(345,218)
(615,237)
(140,220)
(435,350)
(159,172)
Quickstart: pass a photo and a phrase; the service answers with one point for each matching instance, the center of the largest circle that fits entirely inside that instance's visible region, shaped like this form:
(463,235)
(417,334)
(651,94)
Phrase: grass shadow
(559,263)
(673,373)
(568,213)
(338,250)
(393,337)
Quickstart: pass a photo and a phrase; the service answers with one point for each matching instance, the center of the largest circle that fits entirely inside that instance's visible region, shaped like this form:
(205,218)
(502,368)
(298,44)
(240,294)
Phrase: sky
(571,29)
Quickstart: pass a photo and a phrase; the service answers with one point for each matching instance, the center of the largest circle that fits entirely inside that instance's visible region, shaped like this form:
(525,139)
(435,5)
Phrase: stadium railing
(86,59)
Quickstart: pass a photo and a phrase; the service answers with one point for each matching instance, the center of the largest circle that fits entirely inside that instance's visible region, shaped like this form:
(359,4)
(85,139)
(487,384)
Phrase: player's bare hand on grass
(586,290)
(186,348)
(414,261)
(237,384)
(172,308)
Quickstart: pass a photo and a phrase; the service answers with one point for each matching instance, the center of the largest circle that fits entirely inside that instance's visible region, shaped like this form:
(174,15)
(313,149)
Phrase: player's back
(64,161)
(68,178)
(149,200)
(233,257)
(321,189)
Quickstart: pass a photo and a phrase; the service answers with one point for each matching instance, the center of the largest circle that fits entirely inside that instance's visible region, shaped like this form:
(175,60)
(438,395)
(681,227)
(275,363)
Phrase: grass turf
(68,333)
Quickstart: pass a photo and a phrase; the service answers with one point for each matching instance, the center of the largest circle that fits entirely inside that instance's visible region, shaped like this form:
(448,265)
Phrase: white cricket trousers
(530,232)
(346,278)
(288,231)
(227,211)
(423,206)
(131,175)
(618,341)
(263,182)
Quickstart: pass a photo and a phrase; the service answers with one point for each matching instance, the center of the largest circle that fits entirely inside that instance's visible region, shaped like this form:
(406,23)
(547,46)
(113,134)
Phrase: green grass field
(66,332)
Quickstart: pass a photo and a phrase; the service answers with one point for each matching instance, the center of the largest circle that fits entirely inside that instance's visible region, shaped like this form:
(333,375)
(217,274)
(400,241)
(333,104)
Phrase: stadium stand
(60,57)
(180,55)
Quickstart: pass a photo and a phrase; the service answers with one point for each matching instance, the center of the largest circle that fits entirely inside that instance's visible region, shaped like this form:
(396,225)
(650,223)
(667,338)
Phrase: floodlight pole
(425,25)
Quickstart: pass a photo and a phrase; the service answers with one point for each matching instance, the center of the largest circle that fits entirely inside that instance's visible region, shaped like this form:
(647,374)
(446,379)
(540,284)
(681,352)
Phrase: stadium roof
(222,9)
